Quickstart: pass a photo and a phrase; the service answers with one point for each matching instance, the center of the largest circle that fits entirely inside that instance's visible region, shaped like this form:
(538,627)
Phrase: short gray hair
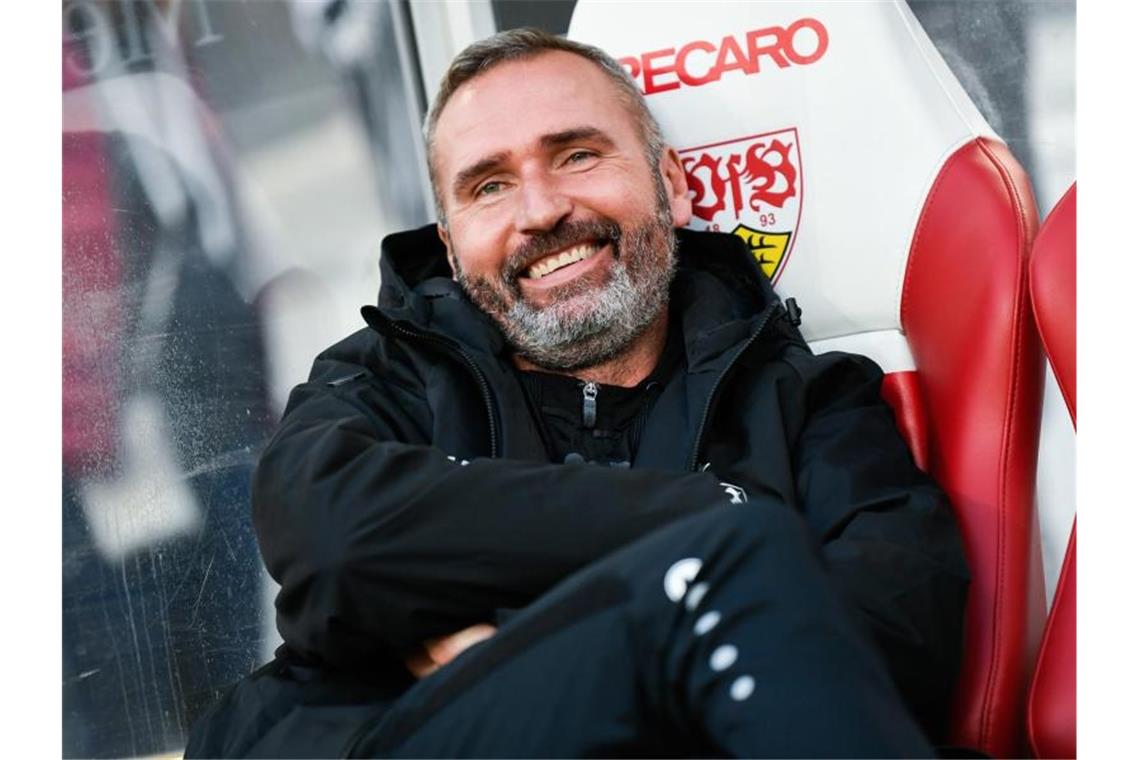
(520,45)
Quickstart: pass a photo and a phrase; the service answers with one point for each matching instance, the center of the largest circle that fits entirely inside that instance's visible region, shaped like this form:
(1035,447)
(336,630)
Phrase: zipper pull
(589,404)
(795,313)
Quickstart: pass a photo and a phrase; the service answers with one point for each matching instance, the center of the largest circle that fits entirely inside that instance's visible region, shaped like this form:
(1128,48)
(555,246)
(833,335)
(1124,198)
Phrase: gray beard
(566,337)
(621,311)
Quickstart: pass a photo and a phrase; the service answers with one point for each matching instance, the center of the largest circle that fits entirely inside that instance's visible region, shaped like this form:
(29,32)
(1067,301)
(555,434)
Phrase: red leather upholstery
(966,313)
(1052,712)
(903,391)
(1053,281)
(1053,696)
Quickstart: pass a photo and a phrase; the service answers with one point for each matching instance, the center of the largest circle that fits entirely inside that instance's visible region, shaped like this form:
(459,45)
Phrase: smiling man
(560,226)
(580,488)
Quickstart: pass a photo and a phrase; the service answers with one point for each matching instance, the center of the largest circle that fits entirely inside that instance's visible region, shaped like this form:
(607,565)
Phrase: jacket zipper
(590,404)
(764,320)
(484,386)
(589,399)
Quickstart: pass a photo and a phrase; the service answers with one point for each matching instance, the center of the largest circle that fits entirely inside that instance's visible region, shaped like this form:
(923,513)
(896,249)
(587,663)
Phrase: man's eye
(579,156)
(488,188)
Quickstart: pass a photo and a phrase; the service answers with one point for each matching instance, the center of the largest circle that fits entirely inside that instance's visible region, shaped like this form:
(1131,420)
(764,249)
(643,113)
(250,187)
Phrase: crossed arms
(381,542)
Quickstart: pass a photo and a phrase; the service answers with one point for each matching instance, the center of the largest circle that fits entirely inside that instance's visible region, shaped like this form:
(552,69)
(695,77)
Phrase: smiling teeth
(556,261)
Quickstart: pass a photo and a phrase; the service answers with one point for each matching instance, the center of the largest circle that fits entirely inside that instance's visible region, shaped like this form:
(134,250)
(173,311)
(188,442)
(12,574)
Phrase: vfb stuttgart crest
(752,187)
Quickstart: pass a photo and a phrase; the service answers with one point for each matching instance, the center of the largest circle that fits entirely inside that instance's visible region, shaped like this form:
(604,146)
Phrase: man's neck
(628,368)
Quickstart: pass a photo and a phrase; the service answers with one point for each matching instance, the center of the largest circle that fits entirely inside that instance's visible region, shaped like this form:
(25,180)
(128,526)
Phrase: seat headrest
(814,130)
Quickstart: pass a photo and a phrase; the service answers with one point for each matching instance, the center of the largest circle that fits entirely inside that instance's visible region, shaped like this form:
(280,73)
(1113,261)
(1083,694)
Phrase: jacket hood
(718,289)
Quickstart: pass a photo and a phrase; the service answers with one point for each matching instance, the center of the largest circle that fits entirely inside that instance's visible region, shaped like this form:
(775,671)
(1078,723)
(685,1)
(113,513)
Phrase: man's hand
(440,651)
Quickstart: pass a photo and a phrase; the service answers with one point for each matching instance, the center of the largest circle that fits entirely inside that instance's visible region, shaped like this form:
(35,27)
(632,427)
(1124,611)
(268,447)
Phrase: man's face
(558,227)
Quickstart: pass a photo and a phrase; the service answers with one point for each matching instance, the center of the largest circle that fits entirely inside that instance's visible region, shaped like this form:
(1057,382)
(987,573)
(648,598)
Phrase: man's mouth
(555,261)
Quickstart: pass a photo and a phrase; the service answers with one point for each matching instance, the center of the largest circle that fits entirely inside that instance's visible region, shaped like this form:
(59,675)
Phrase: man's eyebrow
(574,134)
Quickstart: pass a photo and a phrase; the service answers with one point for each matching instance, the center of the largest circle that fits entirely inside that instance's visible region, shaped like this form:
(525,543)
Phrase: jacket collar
(717,295)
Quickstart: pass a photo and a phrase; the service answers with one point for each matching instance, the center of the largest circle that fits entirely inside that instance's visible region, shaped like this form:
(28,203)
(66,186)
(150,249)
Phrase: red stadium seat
(833,138)
(1052,714)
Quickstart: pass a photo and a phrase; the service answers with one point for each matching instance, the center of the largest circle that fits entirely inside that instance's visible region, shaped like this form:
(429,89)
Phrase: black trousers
(716,635)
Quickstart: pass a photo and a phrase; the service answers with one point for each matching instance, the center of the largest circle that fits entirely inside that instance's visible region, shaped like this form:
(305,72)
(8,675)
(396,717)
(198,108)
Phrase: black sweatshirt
(409,491)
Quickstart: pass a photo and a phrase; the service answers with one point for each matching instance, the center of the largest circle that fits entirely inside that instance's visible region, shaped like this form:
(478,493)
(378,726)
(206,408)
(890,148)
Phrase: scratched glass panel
(229,170)
(1017,61)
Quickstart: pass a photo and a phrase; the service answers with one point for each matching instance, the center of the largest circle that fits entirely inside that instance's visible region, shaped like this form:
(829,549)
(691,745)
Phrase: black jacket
(405,494)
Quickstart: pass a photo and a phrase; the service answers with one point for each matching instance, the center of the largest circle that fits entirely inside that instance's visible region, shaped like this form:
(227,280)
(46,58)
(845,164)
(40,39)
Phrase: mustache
(565,234)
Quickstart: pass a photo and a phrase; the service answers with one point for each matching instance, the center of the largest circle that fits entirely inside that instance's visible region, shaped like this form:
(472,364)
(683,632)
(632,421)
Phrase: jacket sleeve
(380,540)
(890,539)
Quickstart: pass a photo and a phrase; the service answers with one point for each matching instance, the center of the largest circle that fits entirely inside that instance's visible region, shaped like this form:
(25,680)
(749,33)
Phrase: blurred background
(229,168)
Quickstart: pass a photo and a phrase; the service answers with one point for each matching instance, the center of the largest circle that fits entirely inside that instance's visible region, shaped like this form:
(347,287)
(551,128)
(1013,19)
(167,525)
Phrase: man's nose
(542,205)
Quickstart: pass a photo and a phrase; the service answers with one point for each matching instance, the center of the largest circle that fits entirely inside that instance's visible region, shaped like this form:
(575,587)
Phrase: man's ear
(445,237)
(676,187)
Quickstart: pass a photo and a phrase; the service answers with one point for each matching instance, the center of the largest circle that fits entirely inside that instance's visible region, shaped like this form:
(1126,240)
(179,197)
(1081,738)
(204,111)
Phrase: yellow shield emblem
(767,248)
